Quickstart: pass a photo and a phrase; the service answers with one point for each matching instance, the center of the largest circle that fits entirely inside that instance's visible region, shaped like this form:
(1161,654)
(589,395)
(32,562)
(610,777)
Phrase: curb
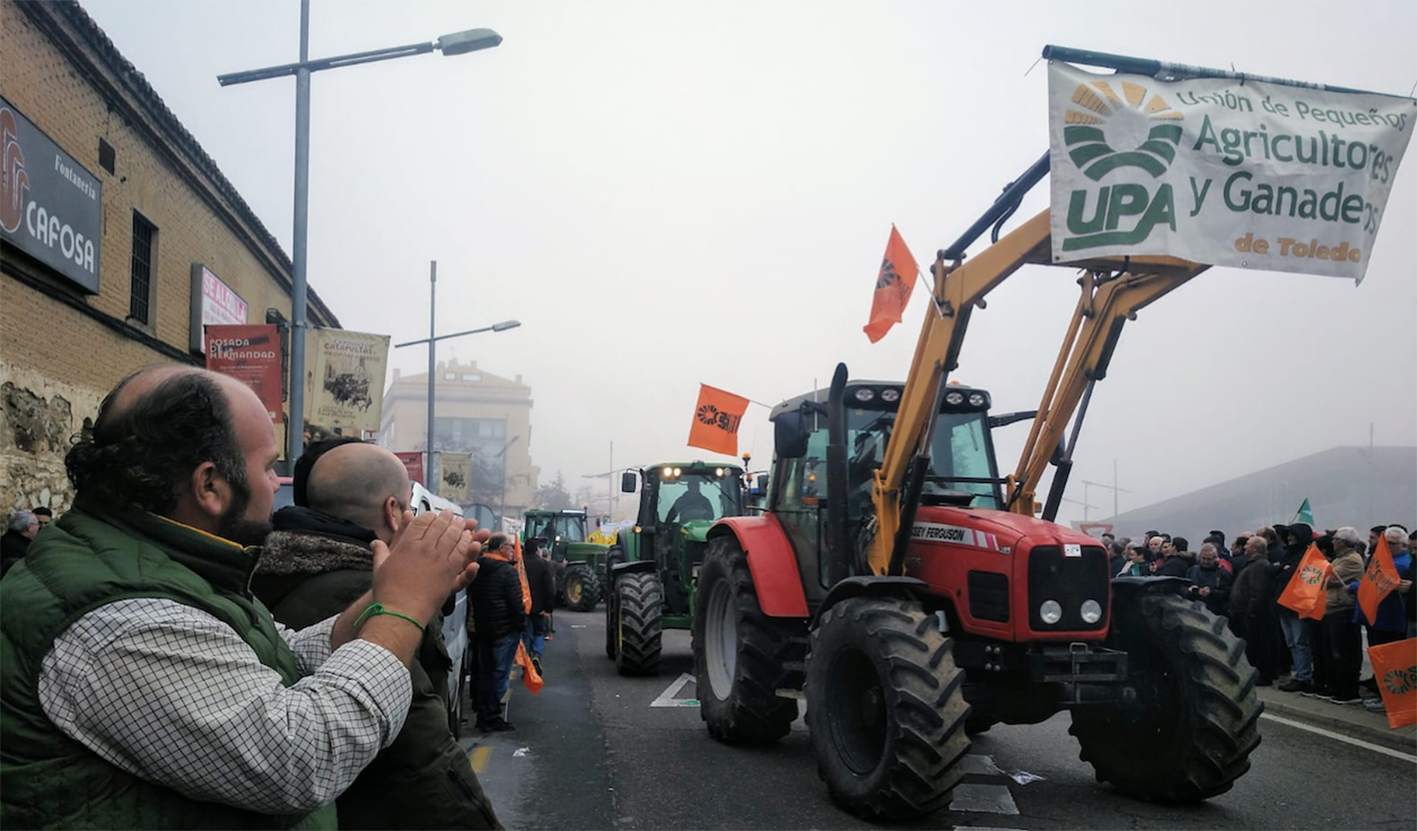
(1399,739)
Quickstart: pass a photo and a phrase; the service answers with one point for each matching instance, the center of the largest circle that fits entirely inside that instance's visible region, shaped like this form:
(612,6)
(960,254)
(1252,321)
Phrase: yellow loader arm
(1113,290)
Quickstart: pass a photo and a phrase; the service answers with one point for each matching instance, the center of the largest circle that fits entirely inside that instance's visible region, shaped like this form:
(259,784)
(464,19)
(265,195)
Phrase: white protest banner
(346,387)
(1248,174)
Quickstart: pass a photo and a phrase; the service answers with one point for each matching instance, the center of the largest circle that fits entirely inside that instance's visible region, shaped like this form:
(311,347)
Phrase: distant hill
(1357,486)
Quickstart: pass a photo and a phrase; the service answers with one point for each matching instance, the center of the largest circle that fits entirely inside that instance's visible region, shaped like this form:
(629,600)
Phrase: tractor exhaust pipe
(839,555)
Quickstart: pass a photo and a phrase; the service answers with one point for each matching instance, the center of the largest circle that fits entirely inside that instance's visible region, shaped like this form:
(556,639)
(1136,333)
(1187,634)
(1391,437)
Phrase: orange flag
(716,420)
(530,677)
(1305,591)
(521,572)
(1379,579)
(894,284)
(1395,670)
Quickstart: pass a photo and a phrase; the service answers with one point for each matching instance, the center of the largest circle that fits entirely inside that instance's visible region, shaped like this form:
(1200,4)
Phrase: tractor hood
(697,530)
(990,529)
(573,547)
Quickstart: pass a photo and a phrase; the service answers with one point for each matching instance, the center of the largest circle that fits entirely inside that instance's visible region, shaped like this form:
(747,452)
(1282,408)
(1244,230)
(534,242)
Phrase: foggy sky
(674,193)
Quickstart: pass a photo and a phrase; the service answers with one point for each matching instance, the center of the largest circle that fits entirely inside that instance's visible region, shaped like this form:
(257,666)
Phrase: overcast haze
(668,193)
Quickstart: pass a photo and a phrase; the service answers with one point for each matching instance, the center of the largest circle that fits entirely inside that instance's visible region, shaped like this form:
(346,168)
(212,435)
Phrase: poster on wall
(345,379)
(413,460)
(250,354)
(214,303)
(457,472)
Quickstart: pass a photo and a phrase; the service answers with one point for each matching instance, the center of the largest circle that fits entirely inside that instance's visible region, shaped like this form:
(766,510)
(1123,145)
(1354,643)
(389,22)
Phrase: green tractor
(578,563)
(651,568)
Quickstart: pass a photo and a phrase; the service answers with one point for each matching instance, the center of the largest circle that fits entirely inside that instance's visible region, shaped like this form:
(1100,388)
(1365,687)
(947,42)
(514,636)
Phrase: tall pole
(610,485)
(432,484)
(1115,489)
(295,428)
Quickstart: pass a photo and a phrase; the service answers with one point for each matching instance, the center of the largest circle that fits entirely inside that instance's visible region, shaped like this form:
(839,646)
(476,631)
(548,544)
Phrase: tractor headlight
(954,399)
(890,396)
(678,471)
(1091,611)
(1051,612)
(667,473)
(718,471)
(976,399)
(865,394)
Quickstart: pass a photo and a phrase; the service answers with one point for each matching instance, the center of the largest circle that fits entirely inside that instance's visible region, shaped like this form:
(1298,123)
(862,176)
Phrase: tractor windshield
(554,528)
(960,454)
(695,495)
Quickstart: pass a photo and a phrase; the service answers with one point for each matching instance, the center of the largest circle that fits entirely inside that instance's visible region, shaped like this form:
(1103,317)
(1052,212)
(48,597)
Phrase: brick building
(111,214)
(474,412)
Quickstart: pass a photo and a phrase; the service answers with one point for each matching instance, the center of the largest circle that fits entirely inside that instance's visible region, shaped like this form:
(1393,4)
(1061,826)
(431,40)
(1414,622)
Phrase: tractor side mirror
(762,483)
(790,435)
(627,482)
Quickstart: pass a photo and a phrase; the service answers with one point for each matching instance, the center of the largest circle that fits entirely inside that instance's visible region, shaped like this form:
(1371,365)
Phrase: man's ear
(210,491)
(393,514)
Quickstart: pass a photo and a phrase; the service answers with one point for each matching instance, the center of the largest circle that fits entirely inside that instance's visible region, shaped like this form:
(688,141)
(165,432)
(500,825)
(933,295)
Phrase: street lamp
(458,43)
(502,508)
(432,341)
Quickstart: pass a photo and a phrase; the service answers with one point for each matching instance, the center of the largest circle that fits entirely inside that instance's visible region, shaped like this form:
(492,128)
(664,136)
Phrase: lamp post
(432,341)
(502,508)
(458,43)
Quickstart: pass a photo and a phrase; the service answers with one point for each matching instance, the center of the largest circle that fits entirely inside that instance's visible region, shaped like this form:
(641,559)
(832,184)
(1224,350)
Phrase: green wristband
(378,609)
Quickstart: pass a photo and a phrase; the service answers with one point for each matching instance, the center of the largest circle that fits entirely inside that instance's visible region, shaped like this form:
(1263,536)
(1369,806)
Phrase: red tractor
(907,594)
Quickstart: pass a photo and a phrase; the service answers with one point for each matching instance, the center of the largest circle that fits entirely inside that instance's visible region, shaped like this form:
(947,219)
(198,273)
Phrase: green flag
(1304,515)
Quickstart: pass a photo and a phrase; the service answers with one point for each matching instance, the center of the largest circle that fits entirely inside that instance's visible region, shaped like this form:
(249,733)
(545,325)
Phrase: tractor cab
(556,530)
(963,470)
(678,503)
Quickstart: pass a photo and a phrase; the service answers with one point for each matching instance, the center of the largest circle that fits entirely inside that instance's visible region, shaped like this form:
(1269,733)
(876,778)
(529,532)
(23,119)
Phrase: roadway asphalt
(597,751)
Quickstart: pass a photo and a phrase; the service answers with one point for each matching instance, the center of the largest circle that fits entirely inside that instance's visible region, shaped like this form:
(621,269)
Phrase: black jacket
(498,608)
(1218,580)
(541,577)
(314,565)
(1176,566)
(1288,565)
(13,547)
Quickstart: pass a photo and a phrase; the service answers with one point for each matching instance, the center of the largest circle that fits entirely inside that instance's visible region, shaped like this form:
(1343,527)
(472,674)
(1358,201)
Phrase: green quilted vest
(92,556)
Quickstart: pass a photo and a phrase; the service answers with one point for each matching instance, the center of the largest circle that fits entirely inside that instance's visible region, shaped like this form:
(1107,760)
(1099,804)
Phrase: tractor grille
(1070,581)
(989,596)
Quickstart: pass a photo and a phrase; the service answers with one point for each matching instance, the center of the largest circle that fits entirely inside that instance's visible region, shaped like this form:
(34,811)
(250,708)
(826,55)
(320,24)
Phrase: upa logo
(14,181)
(1101,129)
(714,417)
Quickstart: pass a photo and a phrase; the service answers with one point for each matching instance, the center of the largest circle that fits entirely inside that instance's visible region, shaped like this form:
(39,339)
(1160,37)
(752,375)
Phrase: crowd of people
(171,655)
(1244,581)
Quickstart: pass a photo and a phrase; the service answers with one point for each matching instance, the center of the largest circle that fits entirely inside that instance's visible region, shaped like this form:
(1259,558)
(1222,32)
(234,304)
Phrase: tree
(554,497)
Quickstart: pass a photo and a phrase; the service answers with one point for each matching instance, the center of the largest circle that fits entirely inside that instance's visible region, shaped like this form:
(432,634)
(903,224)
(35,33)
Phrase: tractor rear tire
(886,708)
(1196,718)
(615,555)
(639,604)
(582,588)
(741,655)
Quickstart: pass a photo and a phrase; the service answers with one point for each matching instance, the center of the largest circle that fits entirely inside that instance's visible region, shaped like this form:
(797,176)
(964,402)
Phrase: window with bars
(144,247)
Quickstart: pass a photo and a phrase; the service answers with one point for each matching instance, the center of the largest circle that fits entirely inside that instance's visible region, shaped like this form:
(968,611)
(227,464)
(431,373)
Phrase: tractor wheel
(615,555)
(1195,715)
(582,588)
(741,655)
(886,708)
(639,602)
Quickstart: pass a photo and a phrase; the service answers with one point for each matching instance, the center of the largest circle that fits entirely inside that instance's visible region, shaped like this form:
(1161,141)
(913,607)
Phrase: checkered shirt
(173,695)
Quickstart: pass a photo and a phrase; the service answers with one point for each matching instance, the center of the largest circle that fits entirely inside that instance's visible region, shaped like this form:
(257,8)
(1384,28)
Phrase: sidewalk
(1346,719)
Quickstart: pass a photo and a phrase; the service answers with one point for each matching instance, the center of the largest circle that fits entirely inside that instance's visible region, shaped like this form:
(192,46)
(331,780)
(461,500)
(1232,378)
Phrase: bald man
(316,562)
(141,683)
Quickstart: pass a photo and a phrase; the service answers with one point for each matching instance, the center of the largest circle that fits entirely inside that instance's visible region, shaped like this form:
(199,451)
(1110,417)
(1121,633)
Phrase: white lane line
(667,698)
(983,799)
(1386,751)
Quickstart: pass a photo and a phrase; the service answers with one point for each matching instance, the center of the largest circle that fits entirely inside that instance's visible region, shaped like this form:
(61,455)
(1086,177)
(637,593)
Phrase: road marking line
(983,799)
(667,699)
(479,757)
(1386,751)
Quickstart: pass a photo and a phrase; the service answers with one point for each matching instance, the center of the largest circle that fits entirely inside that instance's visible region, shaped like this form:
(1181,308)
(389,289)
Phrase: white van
(455,624)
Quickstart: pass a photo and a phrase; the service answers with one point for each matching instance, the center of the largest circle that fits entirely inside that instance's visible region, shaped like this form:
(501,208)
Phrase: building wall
(465,391)
(62,350)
